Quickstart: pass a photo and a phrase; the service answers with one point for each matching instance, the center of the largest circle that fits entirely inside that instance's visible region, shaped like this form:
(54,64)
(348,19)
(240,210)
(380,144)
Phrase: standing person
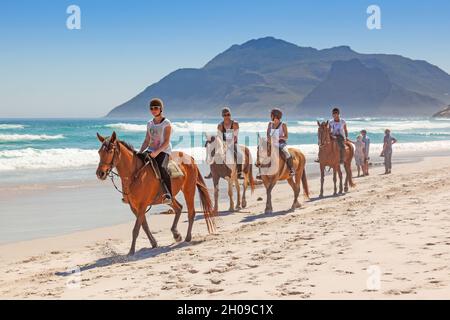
(338,128)
(157,145)
(366,141)
(360,155)
(277,133)
(387,150)
(229,129)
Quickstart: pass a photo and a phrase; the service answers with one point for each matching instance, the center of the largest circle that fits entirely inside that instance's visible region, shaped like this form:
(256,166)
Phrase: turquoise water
(52,144)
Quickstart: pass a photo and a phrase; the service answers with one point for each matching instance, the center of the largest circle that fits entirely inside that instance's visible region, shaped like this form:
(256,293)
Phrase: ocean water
(42,148)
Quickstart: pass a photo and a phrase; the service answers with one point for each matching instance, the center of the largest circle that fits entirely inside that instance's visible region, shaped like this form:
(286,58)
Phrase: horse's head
(323,132)
(264,151)
(214,147)
(108,155)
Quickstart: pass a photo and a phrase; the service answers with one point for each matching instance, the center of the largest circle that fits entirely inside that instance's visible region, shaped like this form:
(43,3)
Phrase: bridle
(323,140)
(112,164)
(269,153)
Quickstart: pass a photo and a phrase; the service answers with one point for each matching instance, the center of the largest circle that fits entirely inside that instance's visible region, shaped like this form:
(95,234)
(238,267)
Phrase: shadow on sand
(142,254)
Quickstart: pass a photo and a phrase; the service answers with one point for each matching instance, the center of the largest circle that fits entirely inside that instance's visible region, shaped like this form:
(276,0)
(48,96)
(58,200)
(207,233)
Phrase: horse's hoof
(346,189)
(188,239)
(231,209)
(268,211)
(238,208)
(335,194)
(178,237)
(154,245)
(244,204)
(131,253)
(320,196)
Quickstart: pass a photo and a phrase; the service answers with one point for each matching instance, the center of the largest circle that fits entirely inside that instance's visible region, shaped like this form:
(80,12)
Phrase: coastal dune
(387,238)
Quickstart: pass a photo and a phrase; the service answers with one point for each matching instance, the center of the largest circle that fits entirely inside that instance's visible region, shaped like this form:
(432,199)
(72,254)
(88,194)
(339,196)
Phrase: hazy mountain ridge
(267,72)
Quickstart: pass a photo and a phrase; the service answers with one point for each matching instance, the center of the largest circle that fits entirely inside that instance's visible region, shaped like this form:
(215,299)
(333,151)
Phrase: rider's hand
(154,154)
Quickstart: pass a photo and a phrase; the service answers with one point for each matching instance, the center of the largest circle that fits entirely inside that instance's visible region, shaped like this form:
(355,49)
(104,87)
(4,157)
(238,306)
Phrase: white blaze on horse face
(269,162)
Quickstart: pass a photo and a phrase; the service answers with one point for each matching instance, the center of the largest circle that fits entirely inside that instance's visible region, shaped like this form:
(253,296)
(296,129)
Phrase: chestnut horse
(142,188)
(216,156)
(273,169)
(329,157)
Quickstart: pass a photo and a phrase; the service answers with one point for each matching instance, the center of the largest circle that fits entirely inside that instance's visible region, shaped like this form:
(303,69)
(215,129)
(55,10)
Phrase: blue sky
(124,46)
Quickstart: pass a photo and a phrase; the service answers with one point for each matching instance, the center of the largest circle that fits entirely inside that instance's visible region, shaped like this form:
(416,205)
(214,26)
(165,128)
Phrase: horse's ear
(328,122)
(113,137)
(100,138)
(318,123)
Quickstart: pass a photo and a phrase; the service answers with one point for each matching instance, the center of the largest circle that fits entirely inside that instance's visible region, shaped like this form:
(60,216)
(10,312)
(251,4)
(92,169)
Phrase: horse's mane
(129,146)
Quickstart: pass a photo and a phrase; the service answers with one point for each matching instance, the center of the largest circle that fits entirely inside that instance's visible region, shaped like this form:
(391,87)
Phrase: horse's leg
(347,172)
(137,227)
(269,188)
(230,194)
(216,193)
(238,192)
(177,207)
(340,180)
(296,190)
(244,187)
(322,179)
(189,198)
(335,181)
(149,234)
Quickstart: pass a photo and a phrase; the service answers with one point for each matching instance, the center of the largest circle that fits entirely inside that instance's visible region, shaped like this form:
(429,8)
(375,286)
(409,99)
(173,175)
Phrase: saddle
(172,167)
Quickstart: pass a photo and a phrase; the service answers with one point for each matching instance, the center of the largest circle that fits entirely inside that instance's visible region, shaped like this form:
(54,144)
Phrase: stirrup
(167,199)
(209,176)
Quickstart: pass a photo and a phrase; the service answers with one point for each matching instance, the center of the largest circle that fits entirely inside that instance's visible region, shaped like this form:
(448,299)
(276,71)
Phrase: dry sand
(396,225)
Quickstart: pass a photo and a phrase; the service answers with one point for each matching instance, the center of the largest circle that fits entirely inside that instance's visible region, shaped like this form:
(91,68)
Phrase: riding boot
(209,176)
(290,165)
(341,155)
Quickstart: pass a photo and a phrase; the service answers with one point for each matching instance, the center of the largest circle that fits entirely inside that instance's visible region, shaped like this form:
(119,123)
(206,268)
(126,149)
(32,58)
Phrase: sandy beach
(387,238)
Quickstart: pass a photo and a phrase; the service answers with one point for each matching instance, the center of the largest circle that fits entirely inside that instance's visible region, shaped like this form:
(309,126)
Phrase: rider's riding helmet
(157,103)
(276,113)
(336,110)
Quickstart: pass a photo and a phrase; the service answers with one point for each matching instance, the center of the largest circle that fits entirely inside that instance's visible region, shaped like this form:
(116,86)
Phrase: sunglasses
(227,115)
(155,108)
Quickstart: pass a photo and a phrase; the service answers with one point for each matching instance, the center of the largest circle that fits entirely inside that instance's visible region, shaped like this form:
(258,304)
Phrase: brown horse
(220,168)
(329,157)
(142,188)
(273,169)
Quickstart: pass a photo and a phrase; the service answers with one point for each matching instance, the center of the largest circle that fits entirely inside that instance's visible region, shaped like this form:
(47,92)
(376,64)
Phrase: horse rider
(229,129)
(277,134)
(339,132)
(157,145)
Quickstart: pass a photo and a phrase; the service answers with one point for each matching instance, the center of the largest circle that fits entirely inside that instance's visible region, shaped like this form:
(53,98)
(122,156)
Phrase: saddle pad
(174,170)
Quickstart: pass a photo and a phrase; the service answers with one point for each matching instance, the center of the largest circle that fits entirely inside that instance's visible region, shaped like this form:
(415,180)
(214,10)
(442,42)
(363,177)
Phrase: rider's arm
(165,144)
(235,132)
(346,131)
(285,130)
(145,143)
(268,131)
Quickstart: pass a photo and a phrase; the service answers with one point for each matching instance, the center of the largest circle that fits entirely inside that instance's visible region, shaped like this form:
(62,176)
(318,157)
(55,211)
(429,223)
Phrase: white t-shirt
(156,133)
(337,127)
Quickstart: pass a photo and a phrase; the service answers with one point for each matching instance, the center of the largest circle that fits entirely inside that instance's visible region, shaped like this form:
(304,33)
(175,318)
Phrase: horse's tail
(305,184)
(205,200)
(348,166)
(249,166)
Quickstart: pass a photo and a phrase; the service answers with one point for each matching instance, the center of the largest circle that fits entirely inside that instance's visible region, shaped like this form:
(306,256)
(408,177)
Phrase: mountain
(443,113)
(263,73)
